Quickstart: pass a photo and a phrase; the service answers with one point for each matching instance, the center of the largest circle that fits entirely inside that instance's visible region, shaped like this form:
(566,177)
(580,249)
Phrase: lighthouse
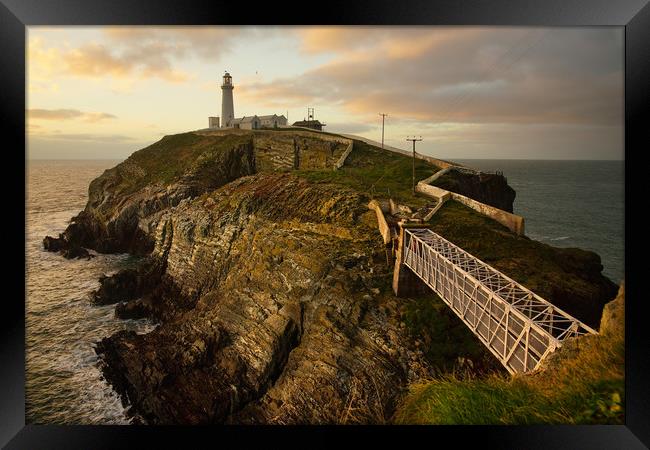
(228,120)
(227,108)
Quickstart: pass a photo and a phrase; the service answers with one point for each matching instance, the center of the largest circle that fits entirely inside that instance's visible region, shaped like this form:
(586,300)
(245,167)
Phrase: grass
(301,129)
(582,383)
(168,159)
(378,173)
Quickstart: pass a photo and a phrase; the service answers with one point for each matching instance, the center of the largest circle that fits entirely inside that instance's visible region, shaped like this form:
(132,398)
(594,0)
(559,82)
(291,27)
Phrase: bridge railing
(517,326)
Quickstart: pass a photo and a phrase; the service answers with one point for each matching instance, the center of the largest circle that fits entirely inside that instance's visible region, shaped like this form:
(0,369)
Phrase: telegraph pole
(414,140)
(383,116)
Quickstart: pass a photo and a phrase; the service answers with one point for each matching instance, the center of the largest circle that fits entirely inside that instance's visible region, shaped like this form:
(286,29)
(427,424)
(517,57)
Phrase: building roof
(245,119)
(303,123)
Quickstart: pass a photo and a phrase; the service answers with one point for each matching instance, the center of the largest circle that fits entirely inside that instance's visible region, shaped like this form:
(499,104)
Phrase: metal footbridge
(517,326)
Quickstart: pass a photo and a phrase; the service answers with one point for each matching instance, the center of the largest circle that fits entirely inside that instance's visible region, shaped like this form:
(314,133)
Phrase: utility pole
(383,116)
(414,140)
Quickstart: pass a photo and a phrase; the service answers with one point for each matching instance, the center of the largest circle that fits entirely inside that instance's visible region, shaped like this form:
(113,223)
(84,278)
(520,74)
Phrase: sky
(469,92)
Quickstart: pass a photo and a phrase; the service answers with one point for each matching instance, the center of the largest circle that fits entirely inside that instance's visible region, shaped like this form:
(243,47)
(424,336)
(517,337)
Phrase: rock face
(286,323)
(292,150)
(488,188)
(272,292)
(158,177)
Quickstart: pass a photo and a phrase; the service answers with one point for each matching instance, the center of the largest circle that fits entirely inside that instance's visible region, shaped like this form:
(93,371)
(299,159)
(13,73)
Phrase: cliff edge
(269,279)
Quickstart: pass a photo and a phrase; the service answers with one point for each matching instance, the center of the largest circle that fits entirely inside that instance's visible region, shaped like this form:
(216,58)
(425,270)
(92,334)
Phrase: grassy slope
(378,173)
(166,160)
(582,383)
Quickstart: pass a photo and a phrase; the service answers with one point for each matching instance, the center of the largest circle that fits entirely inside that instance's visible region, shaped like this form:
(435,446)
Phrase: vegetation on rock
(570,278)
(378,173)
(581,383)
(270,281)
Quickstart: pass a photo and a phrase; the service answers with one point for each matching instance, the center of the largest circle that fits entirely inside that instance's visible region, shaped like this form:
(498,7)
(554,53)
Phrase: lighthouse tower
(227,108)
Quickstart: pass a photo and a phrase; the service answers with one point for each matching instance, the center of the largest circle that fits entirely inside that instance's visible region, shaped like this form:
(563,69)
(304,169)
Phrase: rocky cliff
(285,316)
(489,188)
(271,285)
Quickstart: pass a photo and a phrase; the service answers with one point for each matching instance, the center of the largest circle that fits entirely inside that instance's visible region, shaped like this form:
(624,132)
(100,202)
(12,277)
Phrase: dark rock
(127,284)
(53,244)
(75,252)
(488,188)
(67,249)
(134,309)
(122,197)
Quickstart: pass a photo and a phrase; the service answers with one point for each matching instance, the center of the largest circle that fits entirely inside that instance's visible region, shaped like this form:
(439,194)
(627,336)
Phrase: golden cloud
(67,114)
(510,75)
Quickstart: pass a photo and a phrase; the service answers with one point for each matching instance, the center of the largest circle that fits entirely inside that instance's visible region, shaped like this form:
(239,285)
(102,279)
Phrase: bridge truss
(517,326)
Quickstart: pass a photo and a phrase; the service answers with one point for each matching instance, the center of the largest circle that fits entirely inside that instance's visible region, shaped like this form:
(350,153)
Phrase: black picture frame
(16,15)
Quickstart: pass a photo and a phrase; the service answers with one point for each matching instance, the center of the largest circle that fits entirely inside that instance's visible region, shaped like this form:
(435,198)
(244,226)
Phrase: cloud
(206,42)
(68,114)
(146,60)
(86,137)
(509,75)
(133,52)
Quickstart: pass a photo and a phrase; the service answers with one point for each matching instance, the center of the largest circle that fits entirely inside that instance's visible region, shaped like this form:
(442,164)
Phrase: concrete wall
(514,222)
(344,156)
(290,150)
(433,211)
(435,176)
(384,229)
(432,191)
(309,132)
(435,161)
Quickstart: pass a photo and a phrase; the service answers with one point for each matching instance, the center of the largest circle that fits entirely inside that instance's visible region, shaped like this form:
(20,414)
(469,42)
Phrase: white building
(228,119)
(273,121)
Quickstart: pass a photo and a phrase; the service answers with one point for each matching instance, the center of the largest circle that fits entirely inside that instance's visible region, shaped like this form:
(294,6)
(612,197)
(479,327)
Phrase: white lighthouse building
(227,107)
(228,119)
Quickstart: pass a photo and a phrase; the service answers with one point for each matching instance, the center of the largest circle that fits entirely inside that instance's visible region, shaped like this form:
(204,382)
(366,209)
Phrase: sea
(565,204)
(569,204)
(63,384)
